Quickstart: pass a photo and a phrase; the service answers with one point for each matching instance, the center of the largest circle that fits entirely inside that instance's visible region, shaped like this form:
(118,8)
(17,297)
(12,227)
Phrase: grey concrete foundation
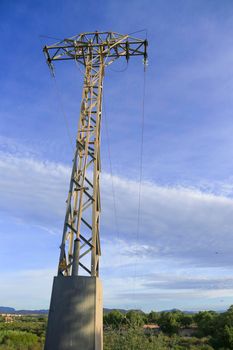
(76,314)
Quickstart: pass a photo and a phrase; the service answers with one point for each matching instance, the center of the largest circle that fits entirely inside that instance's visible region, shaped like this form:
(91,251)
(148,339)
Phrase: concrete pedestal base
(76,314)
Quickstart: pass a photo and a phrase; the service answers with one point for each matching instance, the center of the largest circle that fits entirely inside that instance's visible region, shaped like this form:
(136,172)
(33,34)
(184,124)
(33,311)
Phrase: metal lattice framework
(80,245)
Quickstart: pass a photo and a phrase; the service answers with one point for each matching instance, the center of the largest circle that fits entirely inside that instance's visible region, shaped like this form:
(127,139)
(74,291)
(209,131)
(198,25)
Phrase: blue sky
(183,255)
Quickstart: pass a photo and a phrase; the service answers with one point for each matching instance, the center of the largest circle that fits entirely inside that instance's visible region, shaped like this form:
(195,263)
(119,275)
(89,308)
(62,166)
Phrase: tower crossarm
(80,246)
(108,44)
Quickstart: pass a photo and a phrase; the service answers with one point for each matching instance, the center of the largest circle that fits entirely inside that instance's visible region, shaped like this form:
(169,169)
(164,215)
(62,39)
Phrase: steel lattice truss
(80,245)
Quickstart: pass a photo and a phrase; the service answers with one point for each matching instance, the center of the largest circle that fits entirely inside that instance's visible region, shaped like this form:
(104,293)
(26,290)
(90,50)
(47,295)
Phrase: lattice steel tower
(80,247)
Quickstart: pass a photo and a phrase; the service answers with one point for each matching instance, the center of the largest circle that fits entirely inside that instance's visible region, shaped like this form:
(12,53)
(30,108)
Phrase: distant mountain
(7,310)
(11,310)
(32,312)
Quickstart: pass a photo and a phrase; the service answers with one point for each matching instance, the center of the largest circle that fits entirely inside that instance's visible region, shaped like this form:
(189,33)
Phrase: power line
(120,70)
(49,37)
(111,171)
(80,70)
(141,154)
(59,97)
(140,179)
(139,31)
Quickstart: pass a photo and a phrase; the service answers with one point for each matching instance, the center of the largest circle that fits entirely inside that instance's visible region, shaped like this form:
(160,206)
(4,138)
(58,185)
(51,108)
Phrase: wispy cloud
(181,228)
(179,222)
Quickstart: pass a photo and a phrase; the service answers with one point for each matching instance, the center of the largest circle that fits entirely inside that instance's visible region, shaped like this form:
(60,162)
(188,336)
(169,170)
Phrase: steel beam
(95,51)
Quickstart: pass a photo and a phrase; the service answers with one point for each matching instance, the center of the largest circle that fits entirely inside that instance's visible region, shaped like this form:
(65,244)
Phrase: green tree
(228,337)
(185,319)
(114,319)
(169,322)
(206,322)
(135,318)
(223,335)
(153,317)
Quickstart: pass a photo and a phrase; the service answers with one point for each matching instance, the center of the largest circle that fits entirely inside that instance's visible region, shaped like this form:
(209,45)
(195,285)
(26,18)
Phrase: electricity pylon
(80,248)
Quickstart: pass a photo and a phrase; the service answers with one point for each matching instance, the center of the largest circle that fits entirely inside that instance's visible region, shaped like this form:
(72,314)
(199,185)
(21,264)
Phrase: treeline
(215,329)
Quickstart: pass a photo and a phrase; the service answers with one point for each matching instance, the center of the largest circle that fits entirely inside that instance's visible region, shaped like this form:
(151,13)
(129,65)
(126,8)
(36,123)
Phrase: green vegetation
(209,331)
(137,340)
(25,333)
(19,340)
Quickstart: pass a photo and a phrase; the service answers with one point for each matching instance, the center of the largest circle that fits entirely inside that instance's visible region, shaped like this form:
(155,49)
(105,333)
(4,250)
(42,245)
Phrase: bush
(17,340)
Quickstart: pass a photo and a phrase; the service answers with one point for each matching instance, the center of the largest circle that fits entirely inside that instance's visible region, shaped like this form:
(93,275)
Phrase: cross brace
(81,236)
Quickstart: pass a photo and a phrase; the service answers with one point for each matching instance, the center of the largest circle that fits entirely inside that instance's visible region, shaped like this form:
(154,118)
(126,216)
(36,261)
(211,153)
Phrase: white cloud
(179,222)
(32,189)
(181,229)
